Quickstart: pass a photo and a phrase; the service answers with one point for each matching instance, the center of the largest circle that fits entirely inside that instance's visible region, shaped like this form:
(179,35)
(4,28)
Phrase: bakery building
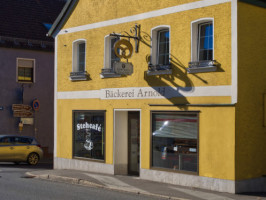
(166,91)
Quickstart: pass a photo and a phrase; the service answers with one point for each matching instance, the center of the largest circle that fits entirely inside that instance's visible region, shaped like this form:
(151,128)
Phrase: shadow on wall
(179,74)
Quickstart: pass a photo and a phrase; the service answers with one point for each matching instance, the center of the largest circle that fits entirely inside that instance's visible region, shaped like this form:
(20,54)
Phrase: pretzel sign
(125,47)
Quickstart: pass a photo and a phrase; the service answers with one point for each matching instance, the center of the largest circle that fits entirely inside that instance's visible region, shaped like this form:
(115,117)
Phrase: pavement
(134,184)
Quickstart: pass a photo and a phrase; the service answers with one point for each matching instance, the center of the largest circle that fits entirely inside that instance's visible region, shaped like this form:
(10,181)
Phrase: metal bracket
(135,34)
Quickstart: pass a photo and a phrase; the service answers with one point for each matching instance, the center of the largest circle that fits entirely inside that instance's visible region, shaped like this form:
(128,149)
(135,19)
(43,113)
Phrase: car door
(6,149)
(23,147)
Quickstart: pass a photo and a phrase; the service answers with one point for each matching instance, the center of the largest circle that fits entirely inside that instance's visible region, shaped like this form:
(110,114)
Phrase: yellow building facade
(165,90)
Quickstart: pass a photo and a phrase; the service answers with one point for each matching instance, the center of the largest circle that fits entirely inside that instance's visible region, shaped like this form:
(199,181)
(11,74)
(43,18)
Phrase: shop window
(79,61)
(160,51)
(175,141)
(25,70)
(202,47)
(109,57)
(89,134)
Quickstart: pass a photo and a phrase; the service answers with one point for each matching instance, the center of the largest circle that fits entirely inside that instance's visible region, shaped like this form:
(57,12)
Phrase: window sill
(79,76)
(25,82)
(159,70)
(202,66)
(109,73)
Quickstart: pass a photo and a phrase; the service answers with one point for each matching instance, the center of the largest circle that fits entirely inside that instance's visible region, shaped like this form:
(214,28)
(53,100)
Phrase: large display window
(89,134)
(175,140)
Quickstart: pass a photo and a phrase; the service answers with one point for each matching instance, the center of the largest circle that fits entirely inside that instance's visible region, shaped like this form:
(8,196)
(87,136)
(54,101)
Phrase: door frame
(114,127)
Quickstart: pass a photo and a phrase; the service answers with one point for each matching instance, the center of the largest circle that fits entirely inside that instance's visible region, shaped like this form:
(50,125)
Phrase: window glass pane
(28,74)
(174,141)
(89,135)
(114,58)
(163,47)
(205,42)
(25,74)
(81,57)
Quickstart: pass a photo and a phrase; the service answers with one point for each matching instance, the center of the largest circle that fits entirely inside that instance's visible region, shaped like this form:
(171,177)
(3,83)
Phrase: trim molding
(147,15)
(234,55)
(55,97)
(147,92)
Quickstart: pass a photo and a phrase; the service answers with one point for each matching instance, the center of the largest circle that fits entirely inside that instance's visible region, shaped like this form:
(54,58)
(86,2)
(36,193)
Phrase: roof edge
(259,3)
(61,17)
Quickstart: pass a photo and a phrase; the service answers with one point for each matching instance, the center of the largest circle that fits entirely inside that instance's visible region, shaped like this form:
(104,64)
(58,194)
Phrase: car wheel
(16,163)
(33,159)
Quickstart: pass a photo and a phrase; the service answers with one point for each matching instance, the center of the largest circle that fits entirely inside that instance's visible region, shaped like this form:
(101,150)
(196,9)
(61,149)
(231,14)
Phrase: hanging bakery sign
(123,49)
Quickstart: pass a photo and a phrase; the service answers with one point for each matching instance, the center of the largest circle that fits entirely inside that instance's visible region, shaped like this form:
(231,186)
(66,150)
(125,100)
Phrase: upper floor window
(202,46)
(205,41)
(109,57)
(163,47)
(113,57)
(79,52)
(160,51)
(25,70)
(79,61)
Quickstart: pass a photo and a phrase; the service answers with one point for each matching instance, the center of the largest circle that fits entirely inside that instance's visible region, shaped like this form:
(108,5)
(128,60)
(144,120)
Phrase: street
(15,185)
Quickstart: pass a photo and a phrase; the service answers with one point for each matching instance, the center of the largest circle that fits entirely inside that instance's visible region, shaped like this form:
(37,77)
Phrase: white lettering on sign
(134,93)
(97,127)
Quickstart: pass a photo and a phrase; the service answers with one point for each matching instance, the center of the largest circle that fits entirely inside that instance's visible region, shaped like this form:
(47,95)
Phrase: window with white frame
(25,70)
(160,51)
(109,57)
(79,61)
(202,46)
(79,55)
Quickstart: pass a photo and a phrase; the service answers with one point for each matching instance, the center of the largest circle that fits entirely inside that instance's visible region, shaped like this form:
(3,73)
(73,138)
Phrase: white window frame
(33,68)
(195,36)
(107,51)
(75,54)
(154,43)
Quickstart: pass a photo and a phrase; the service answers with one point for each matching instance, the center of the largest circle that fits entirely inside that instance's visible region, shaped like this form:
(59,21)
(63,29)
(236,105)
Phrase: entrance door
(133,142)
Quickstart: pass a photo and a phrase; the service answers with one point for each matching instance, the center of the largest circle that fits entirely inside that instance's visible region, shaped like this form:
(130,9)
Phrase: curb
(83,182)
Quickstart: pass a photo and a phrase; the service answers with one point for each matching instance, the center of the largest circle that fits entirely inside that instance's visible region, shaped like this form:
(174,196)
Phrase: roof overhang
(62,17)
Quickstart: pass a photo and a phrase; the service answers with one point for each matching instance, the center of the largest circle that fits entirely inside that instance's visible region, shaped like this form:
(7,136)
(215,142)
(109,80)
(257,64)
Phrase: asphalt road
(14,185)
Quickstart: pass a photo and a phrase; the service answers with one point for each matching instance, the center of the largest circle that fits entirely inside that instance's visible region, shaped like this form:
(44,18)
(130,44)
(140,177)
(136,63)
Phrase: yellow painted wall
(217,125)
(180,36)
(103,10)
(216,133)
(250,132)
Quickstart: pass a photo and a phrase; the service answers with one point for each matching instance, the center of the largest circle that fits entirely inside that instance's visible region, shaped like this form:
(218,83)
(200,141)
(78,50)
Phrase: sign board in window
(89,135)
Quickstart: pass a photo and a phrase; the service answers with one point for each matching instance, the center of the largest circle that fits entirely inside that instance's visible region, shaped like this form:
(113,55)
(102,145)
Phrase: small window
(205,41)
(163,47)
(202,47)
(79,56)
(25,70)
(109,57)
(160,51)
(79,61)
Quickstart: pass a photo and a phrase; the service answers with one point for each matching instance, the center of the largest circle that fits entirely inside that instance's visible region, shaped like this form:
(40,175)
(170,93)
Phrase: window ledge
(202,66)
(109,73)
(79,76)
(159,69)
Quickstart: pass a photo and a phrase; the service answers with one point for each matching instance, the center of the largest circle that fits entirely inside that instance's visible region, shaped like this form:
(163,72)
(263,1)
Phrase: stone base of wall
(220,185)
(83,165)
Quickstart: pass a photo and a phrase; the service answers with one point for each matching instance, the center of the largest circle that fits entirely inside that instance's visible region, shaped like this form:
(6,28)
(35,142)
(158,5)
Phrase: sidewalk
(134,185)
